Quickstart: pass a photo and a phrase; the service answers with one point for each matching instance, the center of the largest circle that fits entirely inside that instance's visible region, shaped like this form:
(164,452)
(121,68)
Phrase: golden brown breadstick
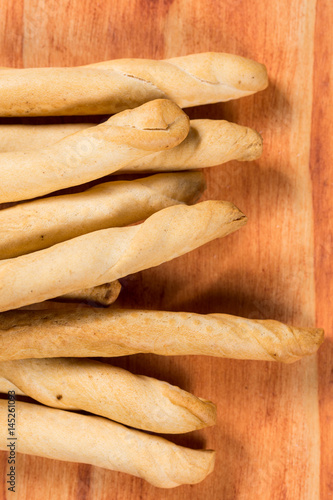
(93,152)
(112,86)
(209,143)
(103,332)
(103,295)
(109,254)
(111,392)
(38,224)
(63,435)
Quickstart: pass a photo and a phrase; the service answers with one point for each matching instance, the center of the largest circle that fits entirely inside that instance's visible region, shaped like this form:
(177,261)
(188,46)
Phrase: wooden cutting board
(275,423)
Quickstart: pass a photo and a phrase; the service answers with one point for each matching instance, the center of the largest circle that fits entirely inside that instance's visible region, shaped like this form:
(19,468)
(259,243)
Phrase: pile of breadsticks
(76,246)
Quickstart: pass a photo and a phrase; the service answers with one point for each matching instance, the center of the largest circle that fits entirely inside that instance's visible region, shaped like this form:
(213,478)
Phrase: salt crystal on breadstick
(112,86)
(99,388)
(109,254)
(93,152)
(94,332)
(63,435)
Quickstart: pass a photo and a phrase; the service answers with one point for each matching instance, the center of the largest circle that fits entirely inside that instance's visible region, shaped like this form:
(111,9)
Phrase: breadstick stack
(109,204)
(110,254)
(83,384)
(85,156)
(68,436)
(75,246)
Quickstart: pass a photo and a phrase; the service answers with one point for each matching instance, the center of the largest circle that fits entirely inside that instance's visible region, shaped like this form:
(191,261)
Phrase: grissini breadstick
(63,435)
(88,332)
(103,295)
(111,392)
(38,224)
(93,152)
(209,143)
(112,86)
(109,254)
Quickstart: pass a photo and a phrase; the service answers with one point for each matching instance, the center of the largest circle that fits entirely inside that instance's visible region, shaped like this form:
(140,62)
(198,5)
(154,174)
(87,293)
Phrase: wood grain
(322,174)
(274,431)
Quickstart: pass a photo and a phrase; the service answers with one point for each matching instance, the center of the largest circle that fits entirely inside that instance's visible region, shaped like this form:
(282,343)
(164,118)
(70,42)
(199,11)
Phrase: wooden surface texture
(274,435)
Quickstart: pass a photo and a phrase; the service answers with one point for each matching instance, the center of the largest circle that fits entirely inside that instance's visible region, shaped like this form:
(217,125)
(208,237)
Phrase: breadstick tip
(160,116)
(309,339)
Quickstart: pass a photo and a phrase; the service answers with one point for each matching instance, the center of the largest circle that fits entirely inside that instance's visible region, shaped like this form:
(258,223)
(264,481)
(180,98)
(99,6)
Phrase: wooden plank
(11,33)
(322,174)
(268,436)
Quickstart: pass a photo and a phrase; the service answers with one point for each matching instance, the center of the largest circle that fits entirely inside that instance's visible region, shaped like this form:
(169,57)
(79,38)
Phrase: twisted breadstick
(112,86)
(209,143)
(38,224)
(109,254)
(64,435)
(93,332)
(93,152)
(134,400)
